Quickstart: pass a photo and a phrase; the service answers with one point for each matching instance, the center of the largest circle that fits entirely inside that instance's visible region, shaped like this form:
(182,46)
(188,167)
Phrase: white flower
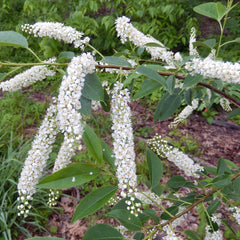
(236,213)
(180,159)
(170,234)
(126,31)
(123,145)
(225,104)
(186,112)
(217,235)
(57,31)
(192,49)
(37,157)
(226,71)
(27,78)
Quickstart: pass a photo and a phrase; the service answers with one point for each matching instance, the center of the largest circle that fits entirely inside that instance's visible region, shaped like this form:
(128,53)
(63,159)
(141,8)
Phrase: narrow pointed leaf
(167,106)
(85,106)
(74,174)
(93,88)
(138,236)
(112,60)
(151,74)
(171,84)
(102,232)
(192,235)
(93,201)
(127,219)
(108,154)
(12,39)
(213,206)
(176,182)
(148,86)
(93,143)
(155,168)
(154,44)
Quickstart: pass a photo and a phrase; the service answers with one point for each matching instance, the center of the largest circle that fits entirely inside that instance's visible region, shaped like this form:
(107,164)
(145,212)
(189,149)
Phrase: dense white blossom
(174,155)
(36,159)
(226,71)
(57,31)
(70,92)
(125,30)
(216,235)
(170,234)
(192,49)
(186,112)
(27,78)
(236,213)
(225,104)
(123,145)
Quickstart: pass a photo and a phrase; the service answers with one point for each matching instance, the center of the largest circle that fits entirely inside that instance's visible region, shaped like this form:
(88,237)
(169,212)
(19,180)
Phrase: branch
(223,94)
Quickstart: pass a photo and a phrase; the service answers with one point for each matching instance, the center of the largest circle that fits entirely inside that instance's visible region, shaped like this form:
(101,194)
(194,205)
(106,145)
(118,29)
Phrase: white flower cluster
(57,31)
(170,234)
(36,160)
(148,197)
(186,112)
(180,159)
(225,104)
(69,94)
(236,213)
(27,78)
(133,207)
(125,30)
(216,235)
(225,71)
(216,217)
(192,49)
(123,145)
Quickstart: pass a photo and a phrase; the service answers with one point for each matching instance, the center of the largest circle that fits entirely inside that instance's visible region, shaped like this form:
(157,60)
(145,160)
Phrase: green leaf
(211,170)
(213,10)
(213,206)
(222,167)
(138,236)
(85,106)
(188,96)
(106,102)
(158,190)
(12,39)
(192,80)
(167,105)
(67,54)
(221,181)
(148,86)
(172,210)
(155,168)
(151,74)
(45,238)
(236,186)
(192,235)
(122,203)
(108,154)
(74,174)
(93,88)
(147,214)
(171,84)
(102,232)
(154,44)
(93,143)
(227,225)
(176,182)
(127,219)
(234,113)
(112,60)
(93,201)
(210,43)
(2,75)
